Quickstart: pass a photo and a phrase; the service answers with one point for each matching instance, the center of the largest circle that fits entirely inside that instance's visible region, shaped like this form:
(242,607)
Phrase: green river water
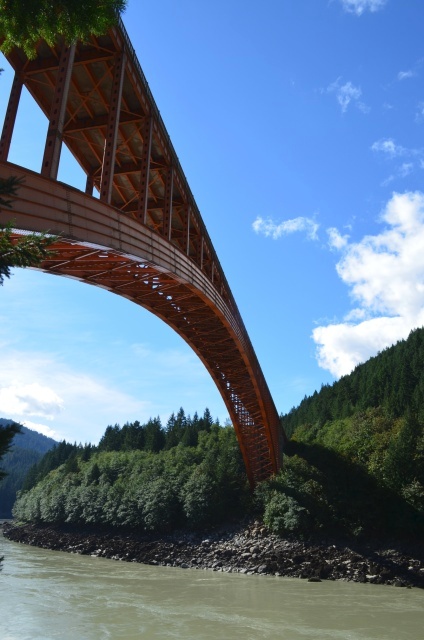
(47,595)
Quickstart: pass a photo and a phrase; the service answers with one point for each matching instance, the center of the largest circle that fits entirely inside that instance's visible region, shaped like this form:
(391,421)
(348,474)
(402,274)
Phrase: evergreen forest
(141,476)
(354,465)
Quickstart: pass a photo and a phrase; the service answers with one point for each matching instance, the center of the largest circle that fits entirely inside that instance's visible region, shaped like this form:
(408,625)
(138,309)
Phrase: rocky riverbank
(249,549)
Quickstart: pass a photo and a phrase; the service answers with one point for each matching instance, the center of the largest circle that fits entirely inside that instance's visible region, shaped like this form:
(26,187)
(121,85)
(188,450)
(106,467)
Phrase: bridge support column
(112,129)
(143,195)
(10,118)
(50,166)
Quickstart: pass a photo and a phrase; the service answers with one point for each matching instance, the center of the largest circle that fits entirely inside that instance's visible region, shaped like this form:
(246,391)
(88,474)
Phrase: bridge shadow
(353,502)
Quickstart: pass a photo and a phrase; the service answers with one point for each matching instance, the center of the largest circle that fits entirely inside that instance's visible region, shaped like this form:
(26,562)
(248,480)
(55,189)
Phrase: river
(47,595)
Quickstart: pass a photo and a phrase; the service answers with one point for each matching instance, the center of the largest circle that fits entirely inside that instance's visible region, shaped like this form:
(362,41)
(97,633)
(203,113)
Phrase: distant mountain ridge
(30,439)
(27,449)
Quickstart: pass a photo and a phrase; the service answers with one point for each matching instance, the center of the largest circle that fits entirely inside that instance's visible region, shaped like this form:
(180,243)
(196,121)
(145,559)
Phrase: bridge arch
(144,239)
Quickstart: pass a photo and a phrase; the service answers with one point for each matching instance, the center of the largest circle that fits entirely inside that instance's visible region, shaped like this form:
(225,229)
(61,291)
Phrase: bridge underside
(144,238)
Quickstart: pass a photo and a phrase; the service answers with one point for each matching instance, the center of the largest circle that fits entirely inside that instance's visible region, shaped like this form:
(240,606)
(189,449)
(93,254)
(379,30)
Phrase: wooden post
(167,212)
(143,195)
(187,214)
(108,164)
(50,166)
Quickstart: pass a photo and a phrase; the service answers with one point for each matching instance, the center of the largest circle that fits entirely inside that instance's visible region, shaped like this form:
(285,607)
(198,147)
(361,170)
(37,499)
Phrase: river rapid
(47,595)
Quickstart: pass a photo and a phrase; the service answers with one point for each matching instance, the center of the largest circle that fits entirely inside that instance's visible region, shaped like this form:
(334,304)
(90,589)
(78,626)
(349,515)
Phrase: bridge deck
(146,220)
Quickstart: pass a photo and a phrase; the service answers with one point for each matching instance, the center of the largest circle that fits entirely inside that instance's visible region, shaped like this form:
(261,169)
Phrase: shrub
(283,514)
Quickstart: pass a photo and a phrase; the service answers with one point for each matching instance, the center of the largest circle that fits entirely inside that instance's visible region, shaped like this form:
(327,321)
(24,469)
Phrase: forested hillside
(355,462)
(150,437)
(392,380)
(28,447)
(354,465)
(143,477)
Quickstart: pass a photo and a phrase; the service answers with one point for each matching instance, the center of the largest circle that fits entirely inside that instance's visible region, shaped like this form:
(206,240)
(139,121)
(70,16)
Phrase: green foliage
(283,514)
(8,188)
(402,461)
(361,476)
(199,497)
(365,434)
(24,22)
(159,504)
(56,456)
(7,433)
(111,439)
(322,491)
(15,464)
(26,449)
(27,251)
(184,486)
(349,469)
(153,437)
(389,449)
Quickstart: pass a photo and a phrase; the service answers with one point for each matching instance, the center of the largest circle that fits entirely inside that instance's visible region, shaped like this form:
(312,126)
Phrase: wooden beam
(50,64)
(101,121)
(10,118)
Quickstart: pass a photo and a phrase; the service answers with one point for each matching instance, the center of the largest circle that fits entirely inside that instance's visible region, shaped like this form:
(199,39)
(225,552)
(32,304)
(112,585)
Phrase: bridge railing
(134,59)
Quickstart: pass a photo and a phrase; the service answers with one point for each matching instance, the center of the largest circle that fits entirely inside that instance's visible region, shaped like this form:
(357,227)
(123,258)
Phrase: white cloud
(356,314)
(389,147)
(30,400)
(269,228)
(405,169)
(41,428)
(346,94)
(419,113)
(388,180)
(79,404)
(335,239)
(403,75)
(385,275)
(359,6)
(343,346)
(391,150)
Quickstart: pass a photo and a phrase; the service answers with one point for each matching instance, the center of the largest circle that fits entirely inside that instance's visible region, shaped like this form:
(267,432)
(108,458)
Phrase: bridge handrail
(176,161)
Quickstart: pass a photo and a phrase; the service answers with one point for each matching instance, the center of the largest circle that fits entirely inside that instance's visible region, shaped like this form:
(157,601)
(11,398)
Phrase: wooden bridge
(143,237)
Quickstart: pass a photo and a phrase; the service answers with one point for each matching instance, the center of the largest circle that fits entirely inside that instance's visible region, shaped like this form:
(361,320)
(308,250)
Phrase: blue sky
(299,126)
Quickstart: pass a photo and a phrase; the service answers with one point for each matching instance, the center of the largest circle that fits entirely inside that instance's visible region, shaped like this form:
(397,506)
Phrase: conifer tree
(6,437)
